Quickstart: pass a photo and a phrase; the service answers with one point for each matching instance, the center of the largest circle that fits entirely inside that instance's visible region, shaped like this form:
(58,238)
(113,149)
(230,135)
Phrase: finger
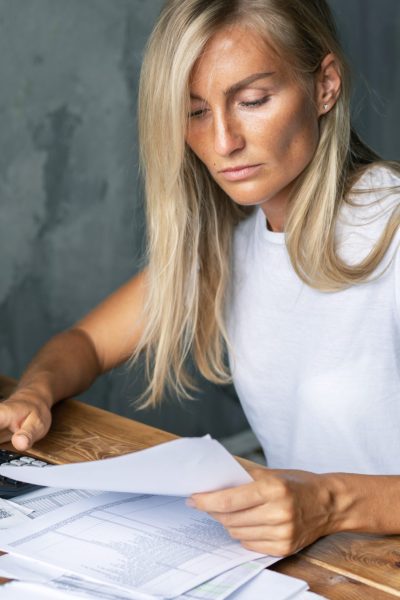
(262,533)
(265,514)
(5,436)
(231,499)
(271,548)
(11,429)
(22,440)
(6,416)
(31,429)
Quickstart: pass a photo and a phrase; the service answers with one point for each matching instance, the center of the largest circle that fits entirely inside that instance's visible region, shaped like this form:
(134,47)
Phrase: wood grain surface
(80,432)
(328,583)
(344,566)
(371,558)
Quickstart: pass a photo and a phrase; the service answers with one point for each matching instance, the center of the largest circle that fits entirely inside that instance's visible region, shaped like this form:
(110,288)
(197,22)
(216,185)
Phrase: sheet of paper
(224,585)
(178,468)
(27,569)
(24,509)
(269,585)
(219,588)
(151,544)
(10,516)
(18,590)
(44,500)
(23,590)
(31,571)
(92,590)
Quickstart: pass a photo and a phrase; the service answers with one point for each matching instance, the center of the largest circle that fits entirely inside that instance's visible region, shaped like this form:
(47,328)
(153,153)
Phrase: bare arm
(70,362)
(282,511)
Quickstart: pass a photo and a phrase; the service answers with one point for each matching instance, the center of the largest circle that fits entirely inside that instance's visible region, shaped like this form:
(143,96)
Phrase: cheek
(298,139)
(199,146)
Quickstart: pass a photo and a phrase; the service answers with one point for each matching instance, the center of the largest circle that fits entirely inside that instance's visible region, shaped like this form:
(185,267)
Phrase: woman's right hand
(25,417)
(70,362)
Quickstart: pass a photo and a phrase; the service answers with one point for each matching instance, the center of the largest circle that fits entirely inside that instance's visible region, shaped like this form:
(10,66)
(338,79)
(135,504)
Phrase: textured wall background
(370,32)
(71,220)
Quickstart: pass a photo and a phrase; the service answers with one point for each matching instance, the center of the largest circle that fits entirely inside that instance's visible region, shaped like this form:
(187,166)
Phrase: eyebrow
(240,84)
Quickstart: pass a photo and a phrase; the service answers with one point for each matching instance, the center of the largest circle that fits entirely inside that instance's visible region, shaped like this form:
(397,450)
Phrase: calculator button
(9,488)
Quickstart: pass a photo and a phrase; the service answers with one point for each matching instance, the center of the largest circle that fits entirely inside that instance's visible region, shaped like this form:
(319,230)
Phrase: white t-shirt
(317,373)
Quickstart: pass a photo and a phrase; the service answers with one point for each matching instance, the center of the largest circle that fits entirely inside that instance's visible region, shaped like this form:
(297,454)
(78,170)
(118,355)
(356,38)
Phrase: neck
(275,210)
(275,218)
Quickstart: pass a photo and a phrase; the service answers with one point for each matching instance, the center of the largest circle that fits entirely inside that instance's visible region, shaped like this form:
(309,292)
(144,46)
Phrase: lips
(241,172)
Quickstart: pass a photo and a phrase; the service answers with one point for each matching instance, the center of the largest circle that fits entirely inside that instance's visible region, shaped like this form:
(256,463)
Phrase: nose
(227,135)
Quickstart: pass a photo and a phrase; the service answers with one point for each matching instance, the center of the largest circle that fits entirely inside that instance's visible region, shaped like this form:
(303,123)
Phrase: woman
(273,232)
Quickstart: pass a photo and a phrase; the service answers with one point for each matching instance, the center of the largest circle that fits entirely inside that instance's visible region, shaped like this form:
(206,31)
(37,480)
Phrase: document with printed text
(155,545)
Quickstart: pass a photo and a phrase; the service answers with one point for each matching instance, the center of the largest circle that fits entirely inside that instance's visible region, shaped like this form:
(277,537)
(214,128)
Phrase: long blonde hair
(190,220)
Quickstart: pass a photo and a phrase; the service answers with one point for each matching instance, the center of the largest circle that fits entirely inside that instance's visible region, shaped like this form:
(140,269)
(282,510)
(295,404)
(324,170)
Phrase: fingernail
(190,502)
(23,439)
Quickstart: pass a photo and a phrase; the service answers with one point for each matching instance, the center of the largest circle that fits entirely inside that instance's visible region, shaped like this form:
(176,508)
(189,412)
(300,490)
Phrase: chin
(247,201)
(249,196)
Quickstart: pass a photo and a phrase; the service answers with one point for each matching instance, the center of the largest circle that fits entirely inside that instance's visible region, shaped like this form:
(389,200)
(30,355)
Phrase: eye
(197,114)
(255,103)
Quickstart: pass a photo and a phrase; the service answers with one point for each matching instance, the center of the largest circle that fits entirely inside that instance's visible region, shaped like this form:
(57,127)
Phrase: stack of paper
(12,514)
(121,545)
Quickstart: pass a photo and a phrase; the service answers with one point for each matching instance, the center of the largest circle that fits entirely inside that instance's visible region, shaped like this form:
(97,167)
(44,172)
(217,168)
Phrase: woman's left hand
(279,513)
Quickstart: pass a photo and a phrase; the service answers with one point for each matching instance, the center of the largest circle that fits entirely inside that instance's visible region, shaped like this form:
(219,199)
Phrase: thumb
(8,422)
(22,440)
(28,432)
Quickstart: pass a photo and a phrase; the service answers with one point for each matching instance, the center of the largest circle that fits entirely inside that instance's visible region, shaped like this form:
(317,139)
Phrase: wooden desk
(340,567)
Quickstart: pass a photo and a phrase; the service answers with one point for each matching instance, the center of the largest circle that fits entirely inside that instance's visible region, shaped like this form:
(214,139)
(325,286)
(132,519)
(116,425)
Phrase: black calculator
(9,488)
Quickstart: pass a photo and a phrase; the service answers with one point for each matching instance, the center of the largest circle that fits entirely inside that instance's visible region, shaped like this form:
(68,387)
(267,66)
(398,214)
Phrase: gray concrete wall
(71,220)
(370,32)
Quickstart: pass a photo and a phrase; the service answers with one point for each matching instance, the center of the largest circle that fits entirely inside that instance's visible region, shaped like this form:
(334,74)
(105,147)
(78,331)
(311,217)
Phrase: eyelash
(254,103)
(198,114)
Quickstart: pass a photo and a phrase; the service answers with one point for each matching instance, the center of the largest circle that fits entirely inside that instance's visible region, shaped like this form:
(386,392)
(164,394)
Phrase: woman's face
(250,123)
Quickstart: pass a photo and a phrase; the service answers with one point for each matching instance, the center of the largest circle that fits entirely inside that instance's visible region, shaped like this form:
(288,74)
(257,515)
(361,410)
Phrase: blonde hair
(191,220)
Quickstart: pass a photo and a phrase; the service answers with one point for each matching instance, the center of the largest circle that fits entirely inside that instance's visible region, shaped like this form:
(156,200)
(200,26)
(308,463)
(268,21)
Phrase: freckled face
(253,127)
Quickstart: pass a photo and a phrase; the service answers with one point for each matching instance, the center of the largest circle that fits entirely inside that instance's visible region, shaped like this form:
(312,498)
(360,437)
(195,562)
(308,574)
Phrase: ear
(327,84)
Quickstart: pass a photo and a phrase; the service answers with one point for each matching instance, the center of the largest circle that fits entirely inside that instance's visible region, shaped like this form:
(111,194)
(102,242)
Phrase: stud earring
(325,106)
